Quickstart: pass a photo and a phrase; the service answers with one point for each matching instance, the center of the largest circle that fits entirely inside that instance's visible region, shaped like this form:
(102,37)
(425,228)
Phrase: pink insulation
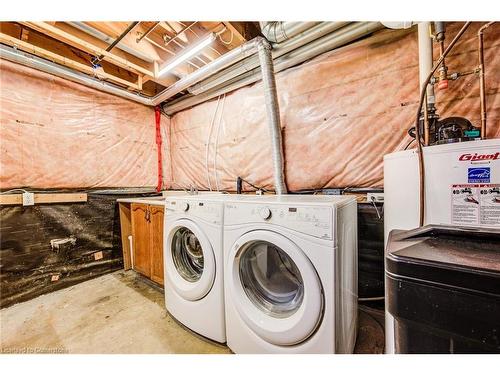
(59,134)
(340,113)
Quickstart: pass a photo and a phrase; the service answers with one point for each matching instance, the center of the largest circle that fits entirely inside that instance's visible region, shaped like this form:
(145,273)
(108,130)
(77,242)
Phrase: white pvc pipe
(222,62)
(425,58)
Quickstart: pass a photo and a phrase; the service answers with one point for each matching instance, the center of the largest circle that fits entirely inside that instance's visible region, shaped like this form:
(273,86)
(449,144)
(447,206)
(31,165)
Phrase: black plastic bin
(444,289)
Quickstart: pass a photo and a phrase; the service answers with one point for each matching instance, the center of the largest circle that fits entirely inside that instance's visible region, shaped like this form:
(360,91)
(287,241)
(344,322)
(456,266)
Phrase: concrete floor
(117,313)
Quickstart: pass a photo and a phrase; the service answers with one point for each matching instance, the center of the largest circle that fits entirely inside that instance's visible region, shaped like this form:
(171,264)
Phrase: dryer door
(274,287)
(189,260)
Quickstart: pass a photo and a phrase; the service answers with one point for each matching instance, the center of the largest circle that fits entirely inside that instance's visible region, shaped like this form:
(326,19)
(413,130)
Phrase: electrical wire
(254,186)
(223,41)
(12,190)
(380,214)
(217,143)
(417,123)
(408,145)
(173,183)
(207,151)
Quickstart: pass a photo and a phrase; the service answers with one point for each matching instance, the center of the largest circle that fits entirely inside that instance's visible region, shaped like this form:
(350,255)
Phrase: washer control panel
(316,221)
(208,211)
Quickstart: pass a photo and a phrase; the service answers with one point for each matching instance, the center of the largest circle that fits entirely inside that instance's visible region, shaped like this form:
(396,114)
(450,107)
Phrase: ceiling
(134,62)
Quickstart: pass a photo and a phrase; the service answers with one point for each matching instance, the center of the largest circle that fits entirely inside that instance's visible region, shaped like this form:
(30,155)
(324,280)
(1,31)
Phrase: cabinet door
(141,239)
(156,227)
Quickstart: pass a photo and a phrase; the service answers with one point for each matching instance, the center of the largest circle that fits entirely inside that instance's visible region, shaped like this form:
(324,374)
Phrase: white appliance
(193,259)
(290,273)
(462,188)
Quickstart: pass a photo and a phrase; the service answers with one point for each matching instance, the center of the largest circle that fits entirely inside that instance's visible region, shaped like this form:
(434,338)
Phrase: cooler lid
(467,258)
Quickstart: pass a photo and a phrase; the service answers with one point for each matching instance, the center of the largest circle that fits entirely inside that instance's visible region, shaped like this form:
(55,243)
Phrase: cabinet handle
(147,216)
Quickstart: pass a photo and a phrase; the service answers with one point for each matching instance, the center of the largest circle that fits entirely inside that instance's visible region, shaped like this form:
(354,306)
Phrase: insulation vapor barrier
(340,113)
(59,134)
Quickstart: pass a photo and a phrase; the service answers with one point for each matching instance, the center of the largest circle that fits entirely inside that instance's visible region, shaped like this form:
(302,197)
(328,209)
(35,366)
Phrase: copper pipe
(482,89)
(426,123)
(421,168)
(443,70)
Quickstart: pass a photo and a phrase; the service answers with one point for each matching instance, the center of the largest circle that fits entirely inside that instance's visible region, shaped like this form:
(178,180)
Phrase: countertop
(157,201)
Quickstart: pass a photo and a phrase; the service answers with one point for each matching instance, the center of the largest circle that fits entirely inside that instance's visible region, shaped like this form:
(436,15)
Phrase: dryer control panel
(315,221)
(208,211)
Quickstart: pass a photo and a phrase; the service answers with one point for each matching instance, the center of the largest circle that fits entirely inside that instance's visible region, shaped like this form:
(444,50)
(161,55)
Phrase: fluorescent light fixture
(187,54)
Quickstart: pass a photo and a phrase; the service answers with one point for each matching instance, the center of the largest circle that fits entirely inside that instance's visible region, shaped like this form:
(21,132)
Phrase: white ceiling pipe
(424,51)
(425,63)
(205,71)
(327,43)
(277,32)
(19,57)
(252,62)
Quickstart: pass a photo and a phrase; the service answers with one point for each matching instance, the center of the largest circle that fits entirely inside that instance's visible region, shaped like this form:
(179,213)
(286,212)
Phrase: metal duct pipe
(31,61)
(278,50)
(273,115)
(334,40)
(222,62)
(277,32)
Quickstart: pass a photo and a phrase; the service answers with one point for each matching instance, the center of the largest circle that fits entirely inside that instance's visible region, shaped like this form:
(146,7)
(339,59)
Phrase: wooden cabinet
(156,230)
(147,240)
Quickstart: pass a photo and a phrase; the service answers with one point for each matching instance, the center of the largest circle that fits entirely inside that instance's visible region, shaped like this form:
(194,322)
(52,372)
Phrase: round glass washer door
(189,260)
(274,287)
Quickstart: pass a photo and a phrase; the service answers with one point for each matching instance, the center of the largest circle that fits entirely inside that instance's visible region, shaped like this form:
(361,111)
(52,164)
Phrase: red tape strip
(158,145)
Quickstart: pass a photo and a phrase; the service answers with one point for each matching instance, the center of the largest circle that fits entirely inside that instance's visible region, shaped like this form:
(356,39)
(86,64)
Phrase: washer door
(275,287)
(189,260)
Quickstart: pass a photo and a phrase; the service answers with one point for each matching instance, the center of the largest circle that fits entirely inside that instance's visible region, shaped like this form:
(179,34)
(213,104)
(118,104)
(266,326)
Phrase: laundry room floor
(119,313)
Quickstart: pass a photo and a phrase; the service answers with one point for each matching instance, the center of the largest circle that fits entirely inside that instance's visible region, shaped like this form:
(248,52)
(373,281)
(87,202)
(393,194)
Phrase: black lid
(467,258)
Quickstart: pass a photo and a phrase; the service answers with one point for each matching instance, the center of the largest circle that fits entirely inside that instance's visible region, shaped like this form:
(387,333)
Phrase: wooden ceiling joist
(40,52)
(85,46)
(235,32)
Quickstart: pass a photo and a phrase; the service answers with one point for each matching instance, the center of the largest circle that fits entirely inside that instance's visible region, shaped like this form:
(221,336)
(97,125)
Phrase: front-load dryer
(194,290)
(290,265)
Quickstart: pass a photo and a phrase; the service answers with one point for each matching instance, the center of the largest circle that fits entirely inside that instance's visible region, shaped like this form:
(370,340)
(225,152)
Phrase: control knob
(265,213)
(184,206)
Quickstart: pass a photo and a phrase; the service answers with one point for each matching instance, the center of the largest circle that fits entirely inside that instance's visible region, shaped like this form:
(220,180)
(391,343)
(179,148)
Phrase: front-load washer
(193,258)
(290,273)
